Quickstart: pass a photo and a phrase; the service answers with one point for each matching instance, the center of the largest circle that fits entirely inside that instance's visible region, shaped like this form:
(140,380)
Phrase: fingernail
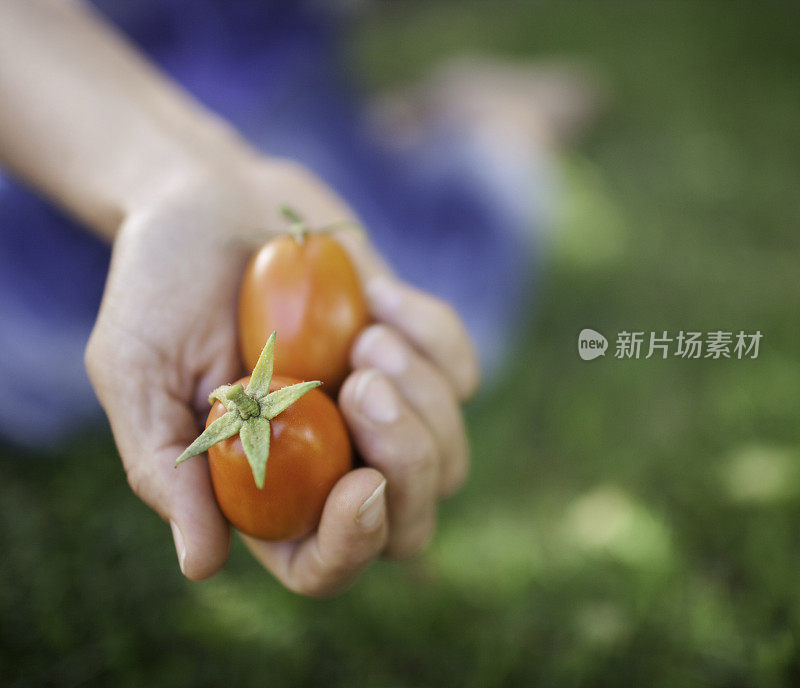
(383,350)
(371,511)
(376,398)
(180,548)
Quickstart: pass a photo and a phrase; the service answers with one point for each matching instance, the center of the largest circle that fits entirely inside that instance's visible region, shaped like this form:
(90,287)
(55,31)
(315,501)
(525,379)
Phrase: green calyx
(299,228)
(249,412)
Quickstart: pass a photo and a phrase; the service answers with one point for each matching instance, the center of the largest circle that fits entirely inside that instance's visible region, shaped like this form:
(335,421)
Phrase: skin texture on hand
(165,337)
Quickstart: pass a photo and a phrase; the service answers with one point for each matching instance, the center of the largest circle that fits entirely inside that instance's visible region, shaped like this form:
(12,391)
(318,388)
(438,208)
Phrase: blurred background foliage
(626,523)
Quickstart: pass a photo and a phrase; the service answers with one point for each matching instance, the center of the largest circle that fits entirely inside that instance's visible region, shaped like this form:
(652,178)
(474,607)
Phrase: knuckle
(310,588)
(457,349)
(319,593)
(327,582)
(111,354)
(370,343)
(447,320)
(454,478)
(347,393)
(471,374)
(93,358)
(448,317)
(373,335)
(416,459)
(138,479)
(412,541)
(144,480)
(295,172)
(330,569)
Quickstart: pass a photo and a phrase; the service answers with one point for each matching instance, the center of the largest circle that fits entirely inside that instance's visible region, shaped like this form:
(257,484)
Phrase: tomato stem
(291,214)
(246,405)
(299,227)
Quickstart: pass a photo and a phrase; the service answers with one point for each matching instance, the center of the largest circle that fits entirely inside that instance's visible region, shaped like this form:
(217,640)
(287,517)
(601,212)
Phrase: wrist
(232,190)
(165,164)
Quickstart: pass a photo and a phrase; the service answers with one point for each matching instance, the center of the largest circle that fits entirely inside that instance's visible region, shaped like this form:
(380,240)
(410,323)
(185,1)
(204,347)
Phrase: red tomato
(308,291)
(309,452)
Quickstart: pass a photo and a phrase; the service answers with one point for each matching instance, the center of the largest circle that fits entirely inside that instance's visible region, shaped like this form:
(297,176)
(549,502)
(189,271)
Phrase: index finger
(433,326)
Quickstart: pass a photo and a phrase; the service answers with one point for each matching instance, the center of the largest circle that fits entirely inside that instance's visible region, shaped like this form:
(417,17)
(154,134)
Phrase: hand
(165,337)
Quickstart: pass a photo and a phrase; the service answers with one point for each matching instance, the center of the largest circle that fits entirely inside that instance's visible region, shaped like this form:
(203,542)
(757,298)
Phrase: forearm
(88,121)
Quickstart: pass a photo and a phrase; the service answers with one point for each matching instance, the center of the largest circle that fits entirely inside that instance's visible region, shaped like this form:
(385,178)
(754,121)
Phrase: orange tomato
(308,291)
(309,452)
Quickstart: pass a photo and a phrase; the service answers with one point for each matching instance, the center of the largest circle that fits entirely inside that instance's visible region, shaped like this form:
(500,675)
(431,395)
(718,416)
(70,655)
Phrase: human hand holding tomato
(166,336)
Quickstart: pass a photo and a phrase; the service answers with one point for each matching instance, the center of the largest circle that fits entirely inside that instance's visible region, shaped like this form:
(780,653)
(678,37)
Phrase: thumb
(152,425)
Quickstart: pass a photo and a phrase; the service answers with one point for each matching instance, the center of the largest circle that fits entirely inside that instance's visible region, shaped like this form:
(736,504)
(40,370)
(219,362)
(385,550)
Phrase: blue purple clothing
(271,69)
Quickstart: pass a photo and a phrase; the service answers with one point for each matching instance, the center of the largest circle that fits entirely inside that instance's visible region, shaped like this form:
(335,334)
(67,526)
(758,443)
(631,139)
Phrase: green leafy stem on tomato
(249,413)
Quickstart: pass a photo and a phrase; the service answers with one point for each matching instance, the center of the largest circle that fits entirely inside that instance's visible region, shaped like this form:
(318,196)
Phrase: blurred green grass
(626,523)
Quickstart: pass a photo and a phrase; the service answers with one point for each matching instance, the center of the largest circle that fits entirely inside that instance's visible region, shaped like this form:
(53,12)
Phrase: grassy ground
(627,522)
